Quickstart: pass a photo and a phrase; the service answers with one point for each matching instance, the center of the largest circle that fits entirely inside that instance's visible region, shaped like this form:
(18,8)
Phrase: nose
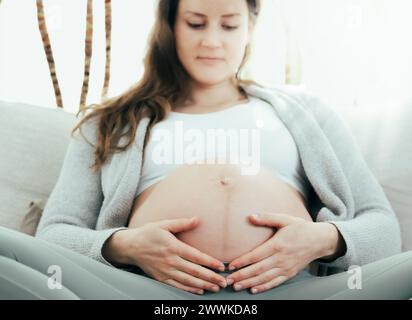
(211,38)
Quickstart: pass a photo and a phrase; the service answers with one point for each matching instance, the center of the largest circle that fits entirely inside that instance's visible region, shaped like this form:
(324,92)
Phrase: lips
(209,58)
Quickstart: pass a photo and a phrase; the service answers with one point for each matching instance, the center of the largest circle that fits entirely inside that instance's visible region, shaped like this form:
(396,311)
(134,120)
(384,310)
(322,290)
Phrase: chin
(211,80)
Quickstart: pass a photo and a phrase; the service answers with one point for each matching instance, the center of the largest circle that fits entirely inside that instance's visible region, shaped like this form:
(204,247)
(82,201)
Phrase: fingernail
(231,268)
(215,288)
(238,286)
(229,281)
(256,216)
(222,284)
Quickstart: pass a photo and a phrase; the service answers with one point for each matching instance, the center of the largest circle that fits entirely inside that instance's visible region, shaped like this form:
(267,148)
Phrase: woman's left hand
(295,244)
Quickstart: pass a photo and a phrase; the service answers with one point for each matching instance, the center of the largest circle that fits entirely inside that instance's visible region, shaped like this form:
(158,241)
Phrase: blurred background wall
(354,53)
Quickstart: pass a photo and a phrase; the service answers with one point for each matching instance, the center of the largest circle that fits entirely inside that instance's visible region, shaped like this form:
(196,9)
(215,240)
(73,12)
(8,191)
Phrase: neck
(212,97)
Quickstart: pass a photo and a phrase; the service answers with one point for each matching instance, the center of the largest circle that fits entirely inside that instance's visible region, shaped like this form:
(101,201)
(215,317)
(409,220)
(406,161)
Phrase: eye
(198,26)
(195,25)
(230,27)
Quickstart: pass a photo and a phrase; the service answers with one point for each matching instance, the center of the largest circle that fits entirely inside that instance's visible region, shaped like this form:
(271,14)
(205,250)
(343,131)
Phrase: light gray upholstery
(33,141)
(385,139)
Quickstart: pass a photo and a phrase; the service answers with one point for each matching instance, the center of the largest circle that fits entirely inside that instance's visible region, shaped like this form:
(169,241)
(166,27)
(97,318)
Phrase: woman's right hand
(155,249)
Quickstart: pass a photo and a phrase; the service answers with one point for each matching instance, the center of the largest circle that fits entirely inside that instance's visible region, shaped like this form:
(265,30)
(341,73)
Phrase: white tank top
(249,134)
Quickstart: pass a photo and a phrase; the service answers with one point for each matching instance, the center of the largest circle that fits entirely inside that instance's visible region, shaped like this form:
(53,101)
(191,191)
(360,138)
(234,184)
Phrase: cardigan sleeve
(372,231)
(70,215)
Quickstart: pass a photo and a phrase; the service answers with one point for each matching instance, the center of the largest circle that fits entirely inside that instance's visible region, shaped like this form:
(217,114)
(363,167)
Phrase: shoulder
(288,93)
(87,131)
(296,96)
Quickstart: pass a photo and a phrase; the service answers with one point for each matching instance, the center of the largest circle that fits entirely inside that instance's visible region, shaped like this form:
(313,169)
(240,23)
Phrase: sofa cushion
(384,138)
(33,142)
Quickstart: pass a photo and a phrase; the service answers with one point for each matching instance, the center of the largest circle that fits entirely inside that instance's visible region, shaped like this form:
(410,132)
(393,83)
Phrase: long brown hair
(164,83)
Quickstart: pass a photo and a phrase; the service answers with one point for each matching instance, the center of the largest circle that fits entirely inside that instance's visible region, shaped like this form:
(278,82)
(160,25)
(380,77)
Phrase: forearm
(85,241)
(369,237)
(115,249)
(332,245)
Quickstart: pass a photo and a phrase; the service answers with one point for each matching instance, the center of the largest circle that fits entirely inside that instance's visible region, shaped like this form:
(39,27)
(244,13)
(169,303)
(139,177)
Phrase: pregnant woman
(157,195)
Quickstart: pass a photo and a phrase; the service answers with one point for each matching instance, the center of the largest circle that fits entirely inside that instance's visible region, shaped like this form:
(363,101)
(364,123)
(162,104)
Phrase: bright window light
(356,54)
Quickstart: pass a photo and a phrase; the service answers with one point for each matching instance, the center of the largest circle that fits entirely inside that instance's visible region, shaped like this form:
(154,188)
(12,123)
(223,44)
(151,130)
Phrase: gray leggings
(25,274)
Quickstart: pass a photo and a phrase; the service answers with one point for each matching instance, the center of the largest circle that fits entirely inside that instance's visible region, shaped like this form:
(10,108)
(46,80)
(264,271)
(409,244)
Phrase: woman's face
(214,29)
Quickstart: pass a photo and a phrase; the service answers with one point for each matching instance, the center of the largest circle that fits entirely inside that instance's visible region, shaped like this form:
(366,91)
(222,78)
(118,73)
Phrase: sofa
(33,142)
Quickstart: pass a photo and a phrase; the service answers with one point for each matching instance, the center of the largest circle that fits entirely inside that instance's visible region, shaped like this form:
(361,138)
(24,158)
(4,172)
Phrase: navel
(224,181)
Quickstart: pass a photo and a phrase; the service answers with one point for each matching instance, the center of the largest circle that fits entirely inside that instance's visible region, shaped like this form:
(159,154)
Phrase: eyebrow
(203,15)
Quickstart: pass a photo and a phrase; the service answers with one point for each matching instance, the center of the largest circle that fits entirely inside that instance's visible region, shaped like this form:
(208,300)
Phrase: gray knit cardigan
(85,208)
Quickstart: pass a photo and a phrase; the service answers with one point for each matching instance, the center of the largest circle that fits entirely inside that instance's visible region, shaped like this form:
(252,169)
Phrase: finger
(191,281)
(192,254)
(178,285)
(178,225)
(252,270)
(259,253)
(200,272)
(270,285)
(259,279)
(276,220)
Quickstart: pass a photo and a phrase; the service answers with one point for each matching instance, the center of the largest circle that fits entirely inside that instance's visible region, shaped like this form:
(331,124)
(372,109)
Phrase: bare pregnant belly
(221,197)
